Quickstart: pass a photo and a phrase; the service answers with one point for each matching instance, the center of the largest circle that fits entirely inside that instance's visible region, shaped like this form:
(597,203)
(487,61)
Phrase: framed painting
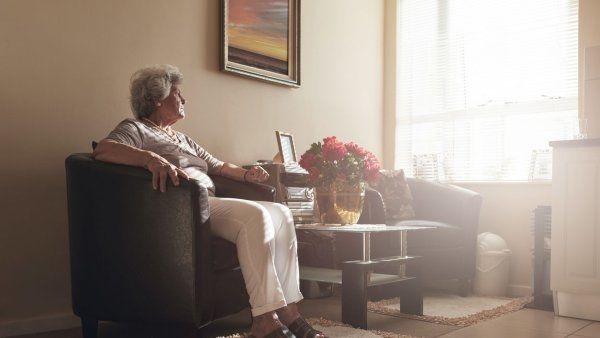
(261,39)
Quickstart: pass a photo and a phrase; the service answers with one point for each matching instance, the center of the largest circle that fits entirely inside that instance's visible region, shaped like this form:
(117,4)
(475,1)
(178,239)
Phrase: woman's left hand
(256,174)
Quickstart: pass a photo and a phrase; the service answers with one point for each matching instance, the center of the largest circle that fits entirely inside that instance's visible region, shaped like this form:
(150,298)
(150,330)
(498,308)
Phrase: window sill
(500,183)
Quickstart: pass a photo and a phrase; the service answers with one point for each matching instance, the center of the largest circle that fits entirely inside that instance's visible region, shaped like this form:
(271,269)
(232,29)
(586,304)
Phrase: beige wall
(389,84)
(65,67)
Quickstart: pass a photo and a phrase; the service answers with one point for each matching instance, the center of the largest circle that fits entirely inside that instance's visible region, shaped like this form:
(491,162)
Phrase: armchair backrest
(445,203)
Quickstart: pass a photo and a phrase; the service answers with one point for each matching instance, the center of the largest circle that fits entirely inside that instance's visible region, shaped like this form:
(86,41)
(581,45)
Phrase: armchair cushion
(441,235)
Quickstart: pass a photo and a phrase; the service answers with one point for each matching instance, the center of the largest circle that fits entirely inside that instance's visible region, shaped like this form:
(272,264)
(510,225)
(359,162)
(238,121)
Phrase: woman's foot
(264,324)
(291,318)
(288,314)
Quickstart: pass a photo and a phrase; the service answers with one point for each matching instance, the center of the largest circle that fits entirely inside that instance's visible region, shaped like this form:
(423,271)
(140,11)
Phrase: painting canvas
(260,39)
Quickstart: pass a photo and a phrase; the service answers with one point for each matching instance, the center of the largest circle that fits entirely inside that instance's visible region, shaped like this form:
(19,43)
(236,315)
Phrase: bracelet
(246,173)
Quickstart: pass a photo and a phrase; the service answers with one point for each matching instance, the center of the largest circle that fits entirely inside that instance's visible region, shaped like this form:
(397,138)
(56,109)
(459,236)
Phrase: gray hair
(151,84)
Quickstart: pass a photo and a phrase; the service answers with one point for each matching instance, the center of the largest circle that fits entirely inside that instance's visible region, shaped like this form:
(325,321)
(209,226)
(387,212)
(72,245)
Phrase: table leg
(411,298)
(411,294)
(355,282)
(366,247)
(403,252)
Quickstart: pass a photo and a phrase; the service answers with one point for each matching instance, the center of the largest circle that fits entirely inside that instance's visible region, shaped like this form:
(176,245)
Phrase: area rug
(451,309)
(335,329)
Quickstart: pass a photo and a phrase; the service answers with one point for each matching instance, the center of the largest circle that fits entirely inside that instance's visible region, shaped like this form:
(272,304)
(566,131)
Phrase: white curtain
(483,86)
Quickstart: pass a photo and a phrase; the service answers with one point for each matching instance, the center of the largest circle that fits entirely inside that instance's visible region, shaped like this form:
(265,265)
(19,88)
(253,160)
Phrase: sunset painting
(257,37)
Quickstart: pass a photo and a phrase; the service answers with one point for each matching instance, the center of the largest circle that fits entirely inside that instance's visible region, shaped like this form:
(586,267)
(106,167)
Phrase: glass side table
(356,276)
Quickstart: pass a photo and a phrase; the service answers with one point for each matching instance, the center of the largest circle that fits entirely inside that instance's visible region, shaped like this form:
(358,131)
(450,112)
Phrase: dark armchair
(447,250)
(138,255)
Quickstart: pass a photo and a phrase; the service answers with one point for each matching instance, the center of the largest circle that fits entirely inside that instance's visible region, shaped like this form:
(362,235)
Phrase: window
(483,86)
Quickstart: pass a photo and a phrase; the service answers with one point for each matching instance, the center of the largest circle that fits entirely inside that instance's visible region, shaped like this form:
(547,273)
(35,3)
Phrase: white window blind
(483,86)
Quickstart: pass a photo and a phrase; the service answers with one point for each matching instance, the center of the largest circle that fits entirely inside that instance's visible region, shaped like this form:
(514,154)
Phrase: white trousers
(265,237)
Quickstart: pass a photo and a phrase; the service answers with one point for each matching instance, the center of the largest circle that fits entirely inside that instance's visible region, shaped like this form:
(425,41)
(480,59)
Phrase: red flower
(308,160)
(313,173)
(333,150)
(371,160)
(371,168)
(327,162)
(331,139)
(355,149)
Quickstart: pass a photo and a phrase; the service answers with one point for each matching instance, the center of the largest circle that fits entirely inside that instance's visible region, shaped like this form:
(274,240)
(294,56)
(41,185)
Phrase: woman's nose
(183,100)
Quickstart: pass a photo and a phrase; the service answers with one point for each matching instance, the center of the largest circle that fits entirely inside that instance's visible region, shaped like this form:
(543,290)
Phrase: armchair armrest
(226,187)
(137,254)
(455,206)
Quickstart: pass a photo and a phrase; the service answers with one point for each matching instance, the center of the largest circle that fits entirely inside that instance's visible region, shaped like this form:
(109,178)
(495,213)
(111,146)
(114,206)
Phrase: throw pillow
(397,198)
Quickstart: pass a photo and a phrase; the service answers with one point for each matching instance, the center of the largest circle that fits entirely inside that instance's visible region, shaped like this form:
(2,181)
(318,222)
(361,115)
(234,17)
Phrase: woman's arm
(255,174)
(217,167)
(229,170)
(115,152)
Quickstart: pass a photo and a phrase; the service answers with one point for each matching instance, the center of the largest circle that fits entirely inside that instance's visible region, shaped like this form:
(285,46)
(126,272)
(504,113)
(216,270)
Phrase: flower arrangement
(334,161)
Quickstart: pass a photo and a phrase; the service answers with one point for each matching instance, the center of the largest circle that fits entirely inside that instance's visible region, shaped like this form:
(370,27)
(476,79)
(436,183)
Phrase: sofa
(138,255)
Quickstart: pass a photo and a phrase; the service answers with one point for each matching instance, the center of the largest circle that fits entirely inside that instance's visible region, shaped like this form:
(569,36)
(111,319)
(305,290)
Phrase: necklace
(162,132)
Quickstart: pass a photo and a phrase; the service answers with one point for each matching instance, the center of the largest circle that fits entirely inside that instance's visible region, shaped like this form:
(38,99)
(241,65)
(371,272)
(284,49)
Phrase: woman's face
(171,108)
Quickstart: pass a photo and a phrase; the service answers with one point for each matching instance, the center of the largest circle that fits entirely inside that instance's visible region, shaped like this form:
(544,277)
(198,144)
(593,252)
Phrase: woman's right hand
(160,169)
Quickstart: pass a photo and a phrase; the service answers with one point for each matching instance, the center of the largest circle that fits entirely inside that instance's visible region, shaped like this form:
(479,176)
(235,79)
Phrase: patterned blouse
(183,152)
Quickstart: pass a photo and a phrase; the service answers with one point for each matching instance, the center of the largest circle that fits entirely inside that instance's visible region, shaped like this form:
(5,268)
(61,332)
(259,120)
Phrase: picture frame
(287,150)
(261,39)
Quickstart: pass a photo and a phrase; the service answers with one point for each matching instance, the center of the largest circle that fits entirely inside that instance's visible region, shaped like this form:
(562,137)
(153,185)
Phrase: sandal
(281,332)
(302,329)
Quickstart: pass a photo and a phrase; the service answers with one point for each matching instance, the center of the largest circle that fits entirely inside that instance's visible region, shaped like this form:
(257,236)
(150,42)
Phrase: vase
(340,202)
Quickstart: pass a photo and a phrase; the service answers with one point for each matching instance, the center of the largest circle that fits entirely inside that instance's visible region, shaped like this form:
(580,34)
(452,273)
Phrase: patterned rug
(451,309)
(335,329)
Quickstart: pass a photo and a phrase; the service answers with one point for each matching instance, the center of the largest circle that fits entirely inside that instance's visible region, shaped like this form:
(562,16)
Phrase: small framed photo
(261,39)
(287,150)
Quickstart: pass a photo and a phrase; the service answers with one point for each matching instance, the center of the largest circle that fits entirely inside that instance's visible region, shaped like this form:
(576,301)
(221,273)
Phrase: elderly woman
(262,231)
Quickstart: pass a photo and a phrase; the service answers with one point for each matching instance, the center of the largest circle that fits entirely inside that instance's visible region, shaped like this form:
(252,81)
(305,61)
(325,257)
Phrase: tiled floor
(525,323)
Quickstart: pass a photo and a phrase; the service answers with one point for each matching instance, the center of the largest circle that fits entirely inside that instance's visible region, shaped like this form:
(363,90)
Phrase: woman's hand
(256,174)
(160,169)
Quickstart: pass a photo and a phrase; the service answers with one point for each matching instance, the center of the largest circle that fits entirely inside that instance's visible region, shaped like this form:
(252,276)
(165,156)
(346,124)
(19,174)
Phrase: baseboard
(39,324)
(515,290)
